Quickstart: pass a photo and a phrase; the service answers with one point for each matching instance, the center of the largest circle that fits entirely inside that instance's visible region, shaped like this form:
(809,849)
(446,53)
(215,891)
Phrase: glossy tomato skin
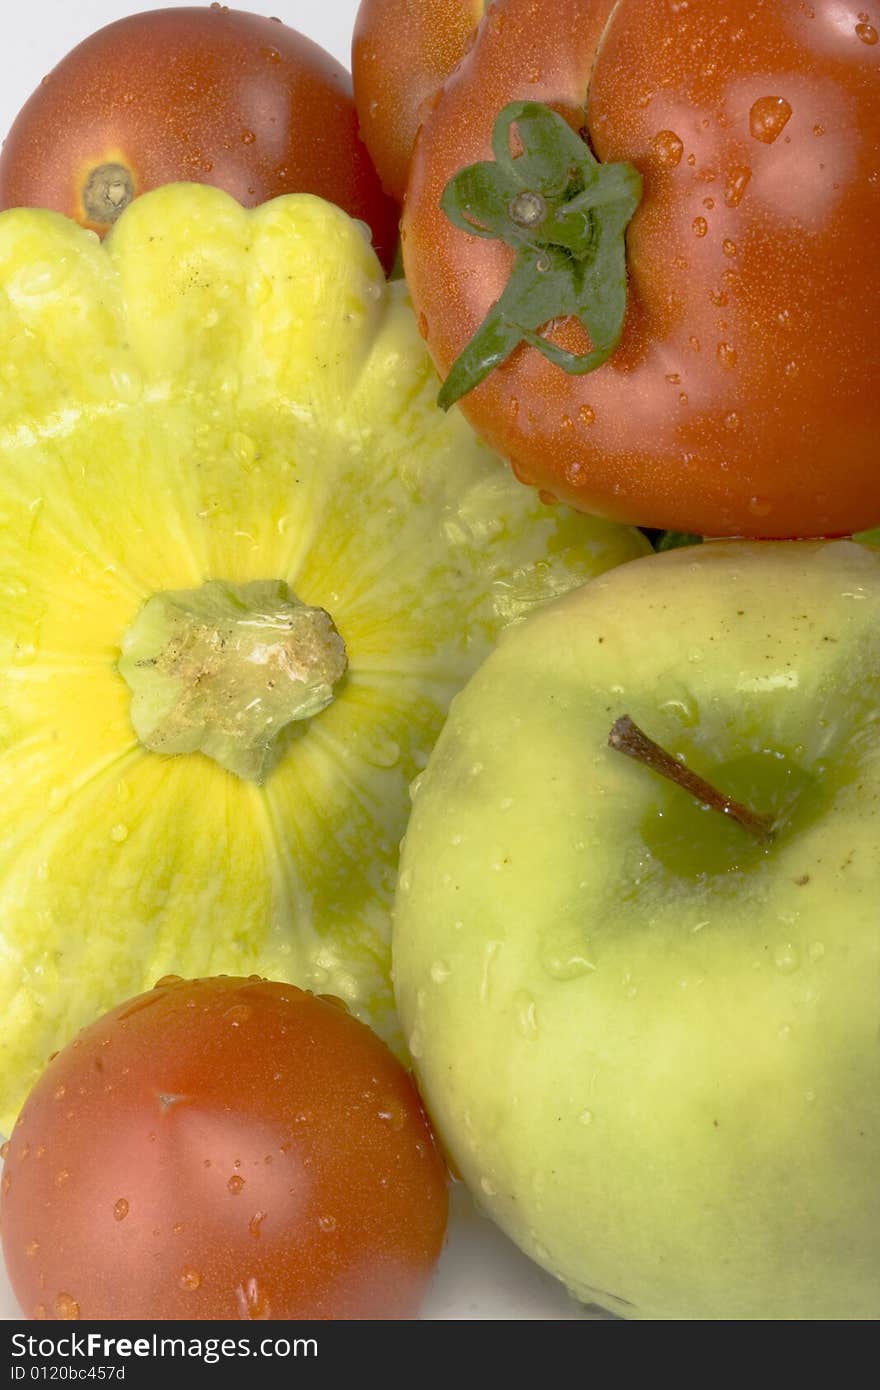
(209,95)
(742,398)
(223,1148)
(396,78)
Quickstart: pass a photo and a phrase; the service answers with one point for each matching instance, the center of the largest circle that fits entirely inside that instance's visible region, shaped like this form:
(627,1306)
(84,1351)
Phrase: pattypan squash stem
(225,668)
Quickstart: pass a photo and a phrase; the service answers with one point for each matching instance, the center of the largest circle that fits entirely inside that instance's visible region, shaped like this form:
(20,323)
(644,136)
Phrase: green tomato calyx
(626,737)
(225,668)
(565,215)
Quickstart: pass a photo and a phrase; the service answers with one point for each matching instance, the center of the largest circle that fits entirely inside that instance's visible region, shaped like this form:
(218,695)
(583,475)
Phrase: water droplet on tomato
(768,118)
(66,1308)
(238,1014)
(866,32)
(31,1248)
(255,1224)
(247,137)
(327,1223)
(732,421)
(760,506)
(729,247)
(253,1301)
(735,186)
(120,1209)
(190,1279)
(668,148)
(726,354)
(235,1184)
(587,415)
(700,226)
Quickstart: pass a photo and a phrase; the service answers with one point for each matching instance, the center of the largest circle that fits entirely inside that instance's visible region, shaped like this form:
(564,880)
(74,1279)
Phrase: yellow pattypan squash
(245,564)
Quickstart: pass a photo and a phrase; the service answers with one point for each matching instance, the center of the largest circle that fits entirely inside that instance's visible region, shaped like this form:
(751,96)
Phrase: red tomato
(742,398)
(209,95)
(395,78)
(223,1149)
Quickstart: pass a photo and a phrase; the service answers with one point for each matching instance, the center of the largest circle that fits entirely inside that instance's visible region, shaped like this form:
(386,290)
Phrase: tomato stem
(565,215)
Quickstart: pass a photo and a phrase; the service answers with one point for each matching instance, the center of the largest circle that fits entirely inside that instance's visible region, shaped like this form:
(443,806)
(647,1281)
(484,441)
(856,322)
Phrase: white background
(480,1275)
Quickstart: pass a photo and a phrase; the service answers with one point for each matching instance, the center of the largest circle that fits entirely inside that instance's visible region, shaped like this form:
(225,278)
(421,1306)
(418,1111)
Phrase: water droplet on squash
(586,1117)
(119,833)
(440,972)
(768,118)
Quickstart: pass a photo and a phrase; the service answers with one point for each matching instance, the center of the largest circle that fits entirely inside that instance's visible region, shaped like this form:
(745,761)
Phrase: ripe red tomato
(223,1148)
(742,398)
(395,79)
(209,95)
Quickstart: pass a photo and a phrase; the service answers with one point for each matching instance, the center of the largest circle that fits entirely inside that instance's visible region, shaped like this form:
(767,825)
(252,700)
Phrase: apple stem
(626,737)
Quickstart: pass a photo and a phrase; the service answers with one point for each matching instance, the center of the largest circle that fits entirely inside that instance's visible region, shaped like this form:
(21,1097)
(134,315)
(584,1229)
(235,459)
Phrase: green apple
(648,1037)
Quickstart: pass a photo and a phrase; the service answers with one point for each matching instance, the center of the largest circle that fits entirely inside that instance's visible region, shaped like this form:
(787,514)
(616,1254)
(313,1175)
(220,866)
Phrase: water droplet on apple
(526,1016)
(566,960)
(787,958)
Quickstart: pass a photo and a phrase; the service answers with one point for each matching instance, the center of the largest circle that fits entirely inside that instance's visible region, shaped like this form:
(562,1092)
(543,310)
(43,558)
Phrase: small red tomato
(208,95)
(223,1148)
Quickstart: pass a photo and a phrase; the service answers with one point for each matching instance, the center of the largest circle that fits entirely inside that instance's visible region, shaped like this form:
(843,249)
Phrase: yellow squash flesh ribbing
(215,394)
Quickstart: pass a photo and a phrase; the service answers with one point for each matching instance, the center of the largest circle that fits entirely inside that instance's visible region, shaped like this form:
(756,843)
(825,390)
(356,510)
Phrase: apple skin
(662,1079)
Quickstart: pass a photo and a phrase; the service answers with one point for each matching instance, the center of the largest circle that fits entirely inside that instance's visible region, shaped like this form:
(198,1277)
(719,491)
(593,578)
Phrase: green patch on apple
(648,1037)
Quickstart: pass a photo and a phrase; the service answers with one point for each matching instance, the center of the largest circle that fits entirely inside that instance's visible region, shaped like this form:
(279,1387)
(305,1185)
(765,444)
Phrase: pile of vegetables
(254,546)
